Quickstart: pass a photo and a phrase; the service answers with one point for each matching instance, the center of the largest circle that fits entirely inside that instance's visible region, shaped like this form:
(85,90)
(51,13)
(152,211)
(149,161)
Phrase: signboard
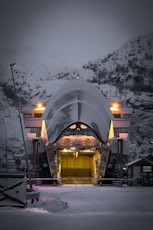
(147,168)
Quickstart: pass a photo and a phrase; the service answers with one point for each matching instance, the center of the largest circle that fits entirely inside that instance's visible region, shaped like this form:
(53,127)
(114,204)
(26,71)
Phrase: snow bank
(47,204)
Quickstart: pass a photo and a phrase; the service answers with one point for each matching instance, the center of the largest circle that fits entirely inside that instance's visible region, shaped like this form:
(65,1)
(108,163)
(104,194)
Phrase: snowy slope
(37,78)
(129,67)
(129,73)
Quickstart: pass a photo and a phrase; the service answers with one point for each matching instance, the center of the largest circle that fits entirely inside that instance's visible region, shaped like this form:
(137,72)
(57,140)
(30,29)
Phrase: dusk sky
(74,31)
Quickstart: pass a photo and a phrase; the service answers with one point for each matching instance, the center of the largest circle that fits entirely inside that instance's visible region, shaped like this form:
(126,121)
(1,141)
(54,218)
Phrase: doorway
(78,167)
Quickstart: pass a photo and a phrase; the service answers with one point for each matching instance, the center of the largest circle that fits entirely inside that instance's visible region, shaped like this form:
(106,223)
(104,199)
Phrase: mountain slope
(129,71)
(126,74)
(130,67)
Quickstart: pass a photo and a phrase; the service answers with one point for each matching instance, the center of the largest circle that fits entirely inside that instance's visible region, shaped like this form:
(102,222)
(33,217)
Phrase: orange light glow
(40,106)
(44,135)
(115,106)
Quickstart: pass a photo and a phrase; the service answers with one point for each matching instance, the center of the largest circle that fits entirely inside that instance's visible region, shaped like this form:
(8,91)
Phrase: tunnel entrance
(78,166)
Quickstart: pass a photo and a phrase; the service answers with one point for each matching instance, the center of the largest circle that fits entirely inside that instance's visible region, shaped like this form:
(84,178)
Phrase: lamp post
(20,120)
(15,93)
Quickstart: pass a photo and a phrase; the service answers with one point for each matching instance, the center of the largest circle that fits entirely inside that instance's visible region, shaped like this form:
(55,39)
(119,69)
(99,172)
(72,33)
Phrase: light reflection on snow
(47,204)
(36,210)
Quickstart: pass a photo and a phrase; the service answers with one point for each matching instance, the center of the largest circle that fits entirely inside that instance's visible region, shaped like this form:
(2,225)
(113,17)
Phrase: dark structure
(140,172)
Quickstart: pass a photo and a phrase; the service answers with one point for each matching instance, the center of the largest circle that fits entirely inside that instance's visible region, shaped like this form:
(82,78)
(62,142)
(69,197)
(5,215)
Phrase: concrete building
(76,131)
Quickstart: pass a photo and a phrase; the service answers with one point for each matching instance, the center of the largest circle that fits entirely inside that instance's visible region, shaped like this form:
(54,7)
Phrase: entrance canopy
(77,101)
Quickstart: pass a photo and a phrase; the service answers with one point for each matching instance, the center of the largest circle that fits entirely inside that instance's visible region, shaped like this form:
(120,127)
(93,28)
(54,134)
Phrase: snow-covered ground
(83,207)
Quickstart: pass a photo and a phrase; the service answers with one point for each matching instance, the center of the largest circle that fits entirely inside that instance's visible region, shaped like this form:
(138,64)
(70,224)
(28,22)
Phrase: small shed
(140,172)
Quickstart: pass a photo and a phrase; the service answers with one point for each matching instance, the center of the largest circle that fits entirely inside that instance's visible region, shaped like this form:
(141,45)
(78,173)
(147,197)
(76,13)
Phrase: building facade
(76,131)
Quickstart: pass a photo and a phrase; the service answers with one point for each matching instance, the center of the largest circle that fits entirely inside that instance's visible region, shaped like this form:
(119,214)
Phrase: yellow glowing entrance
(78,167)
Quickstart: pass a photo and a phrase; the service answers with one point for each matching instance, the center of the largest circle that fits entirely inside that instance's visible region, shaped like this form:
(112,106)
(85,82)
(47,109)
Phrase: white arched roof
(77,101)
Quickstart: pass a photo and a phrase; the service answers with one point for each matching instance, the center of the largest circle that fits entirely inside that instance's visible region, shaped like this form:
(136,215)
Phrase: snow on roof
(139,160)
(77,101)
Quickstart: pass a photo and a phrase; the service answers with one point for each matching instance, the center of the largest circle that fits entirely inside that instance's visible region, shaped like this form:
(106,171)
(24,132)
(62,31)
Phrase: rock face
(129,71)
(126,74)
(130,67)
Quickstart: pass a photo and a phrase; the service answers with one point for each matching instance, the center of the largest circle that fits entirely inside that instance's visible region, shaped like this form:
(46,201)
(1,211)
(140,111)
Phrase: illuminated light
(111,131)
(44,135)
(65,150)
(73,148)
(76,154)
(40,106)
(123,136)
(73,126)
(83,126)
(13,64)
(78,76)
(36,210)
(115,106)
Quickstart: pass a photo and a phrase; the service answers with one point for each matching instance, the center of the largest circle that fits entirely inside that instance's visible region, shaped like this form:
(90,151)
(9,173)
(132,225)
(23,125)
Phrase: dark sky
(75,31)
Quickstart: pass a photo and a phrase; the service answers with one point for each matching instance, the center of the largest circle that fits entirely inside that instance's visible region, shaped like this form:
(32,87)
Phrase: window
(123,136)
(147,168)
(117,115)
(37,114)
(27,115)
(126,116)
